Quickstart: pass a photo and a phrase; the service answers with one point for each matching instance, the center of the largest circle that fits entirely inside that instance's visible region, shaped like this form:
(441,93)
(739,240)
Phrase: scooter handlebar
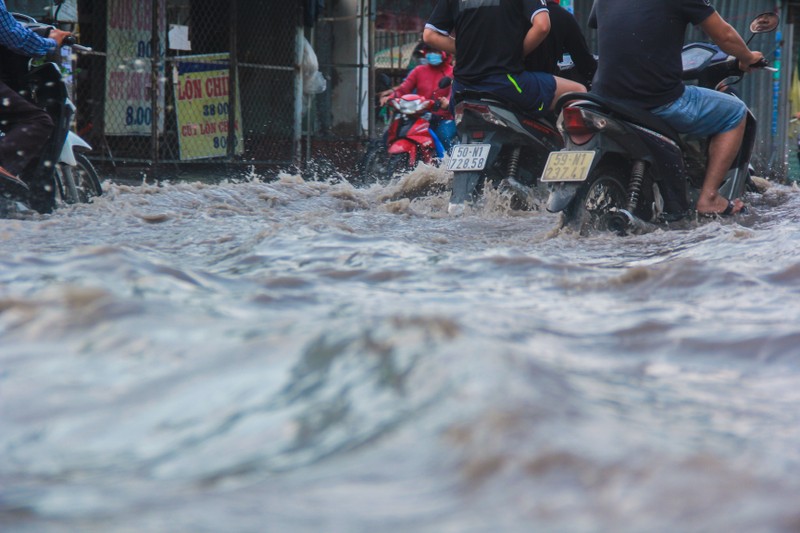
(72,42)
(763,64)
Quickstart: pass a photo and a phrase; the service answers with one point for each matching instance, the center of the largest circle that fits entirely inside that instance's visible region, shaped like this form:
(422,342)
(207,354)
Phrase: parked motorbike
(410,138)
(625,170)
(498,144)
(61,173)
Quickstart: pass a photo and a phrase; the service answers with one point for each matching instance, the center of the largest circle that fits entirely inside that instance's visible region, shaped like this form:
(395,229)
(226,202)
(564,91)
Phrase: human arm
(406,86)
(438,40)
(729,40)
(439,28)
(409,84)
(384,96)
(59,35)
(18,38)
(540,27)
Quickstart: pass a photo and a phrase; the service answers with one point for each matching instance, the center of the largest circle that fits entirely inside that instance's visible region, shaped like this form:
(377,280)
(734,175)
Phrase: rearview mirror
(764,23)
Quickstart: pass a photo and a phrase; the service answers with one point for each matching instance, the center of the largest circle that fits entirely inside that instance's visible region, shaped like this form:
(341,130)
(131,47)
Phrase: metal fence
(189,81)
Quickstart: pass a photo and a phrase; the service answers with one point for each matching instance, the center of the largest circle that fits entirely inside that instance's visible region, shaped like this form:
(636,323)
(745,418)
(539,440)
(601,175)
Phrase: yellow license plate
(568,166)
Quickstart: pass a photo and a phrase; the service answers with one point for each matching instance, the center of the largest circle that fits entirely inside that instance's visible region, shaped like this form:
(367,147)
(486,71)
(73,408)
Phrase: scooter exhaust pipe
(623,222)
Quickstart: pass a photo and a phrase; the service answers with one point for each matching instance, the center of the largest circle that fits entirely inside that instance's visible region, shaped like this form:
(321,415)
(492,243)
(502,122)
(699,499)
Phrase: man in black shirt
(492,38)
(639,44)
(565,37)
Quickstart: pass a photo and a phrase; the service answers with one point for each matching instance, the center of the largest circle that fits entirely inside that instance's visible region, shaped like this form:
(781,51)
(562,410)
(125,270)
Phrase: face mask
(434,58)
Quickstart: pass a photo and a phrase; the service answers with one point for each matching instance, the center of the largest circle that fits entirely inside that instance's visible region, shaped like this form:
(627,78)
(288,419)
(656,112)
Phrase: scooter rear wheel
(603,192)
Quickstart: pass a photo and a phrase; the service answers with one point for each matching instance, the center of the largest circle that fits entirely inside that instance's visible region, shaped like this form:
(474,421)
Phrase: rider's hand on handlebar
(756,60)
(59,35)
(384,96)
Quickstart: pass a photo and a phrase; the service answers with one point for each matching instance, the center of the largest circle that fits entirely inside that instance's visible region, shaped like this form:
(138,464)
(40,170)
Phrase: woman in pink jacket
(424,80)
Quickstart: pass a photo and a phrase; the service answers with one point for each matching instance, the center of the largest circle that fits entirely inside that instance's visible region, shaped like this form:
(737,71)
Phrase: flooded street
(304,356)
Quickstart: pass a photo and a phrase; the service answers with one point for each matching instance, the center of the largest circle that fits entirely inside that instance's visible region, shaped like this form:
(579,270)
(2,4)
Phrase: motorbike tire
(379,166)
(398,163)
(78,184)
(373,165)
(602,193)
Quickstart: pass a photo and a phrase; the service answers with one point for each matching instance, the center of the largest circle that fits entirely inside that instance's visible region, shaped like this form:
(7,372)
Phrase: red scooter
(410,139)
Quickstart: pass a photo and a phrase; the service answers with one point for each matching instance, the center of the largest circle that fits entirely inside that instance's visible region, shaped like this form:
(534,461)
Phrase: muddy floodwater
(301,356)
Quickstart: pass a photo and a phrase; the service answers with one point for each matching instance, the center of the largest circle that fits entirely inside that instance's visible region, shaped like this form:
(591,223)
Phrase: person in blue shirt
(26,127)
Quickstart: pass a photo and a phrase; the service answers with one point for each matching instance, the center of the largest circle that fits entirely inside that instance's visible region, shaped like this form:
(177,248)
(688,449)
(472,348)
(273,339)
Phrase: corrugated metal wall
(765,93)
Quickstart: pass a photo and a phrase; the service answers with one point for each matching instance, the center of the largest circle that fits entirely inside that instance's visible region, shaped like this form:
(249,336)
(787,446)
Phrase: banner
(128,106)
(203,106)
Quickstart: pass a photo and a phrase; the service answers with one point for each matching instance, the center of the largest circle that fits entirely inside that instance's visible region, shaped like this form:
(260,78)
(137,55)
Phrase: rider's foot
(719,206)
(8,176)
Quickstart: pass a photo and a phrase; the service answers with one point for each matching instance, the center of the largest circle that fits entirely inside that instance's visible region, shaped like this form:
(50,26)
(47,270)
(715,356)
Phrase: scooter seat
(468,94)
(627,111)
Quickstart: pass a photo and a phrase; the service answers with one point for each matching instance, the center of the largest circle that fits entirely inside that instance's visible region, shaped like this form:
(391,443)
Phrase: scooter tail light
(574,121)
(484,111)
(581,125)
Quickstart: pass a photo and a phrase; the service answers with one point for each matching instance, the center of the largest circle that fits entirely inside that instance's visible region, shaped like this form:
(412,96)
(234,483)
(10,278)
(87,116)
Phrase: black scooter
(625,170)
(61,172)
(499,144)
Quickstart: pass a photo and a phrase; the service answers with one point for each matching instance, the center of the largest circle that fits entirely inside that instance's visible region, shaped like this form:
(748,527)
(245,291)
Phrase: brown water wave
(311,356)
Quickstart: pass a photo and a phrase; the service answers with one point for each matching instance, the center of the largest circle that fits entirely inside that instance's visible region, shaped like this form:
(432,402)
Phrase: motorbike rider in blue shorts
(640,44)
(492,38)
